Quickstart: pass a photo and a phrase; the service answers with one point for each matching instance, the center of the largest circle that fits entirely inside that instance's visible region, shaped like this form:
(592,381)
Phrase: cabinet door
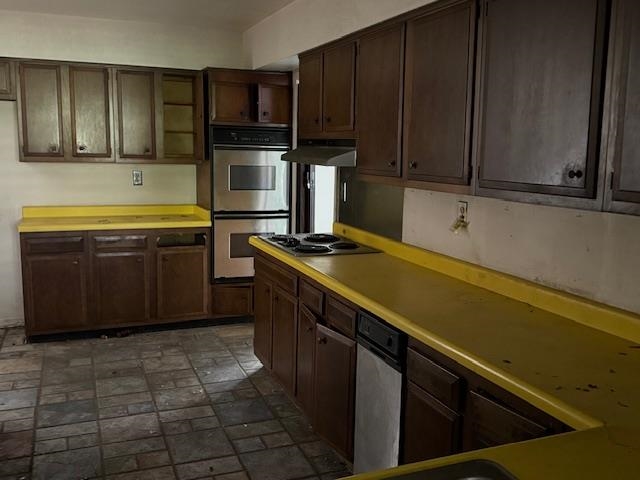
(41,111)
(230,102)
(55,293)
(90,118)
(285,313)
(263,309)
(136,114)
(430,430)
(379,110)
(183,285)
(7,80)
(334,388)
(626,160)
(438,95)
(338,81)
(490,424)
(306,359)
(121,283)
(275,104)
(310,95)
(540,103)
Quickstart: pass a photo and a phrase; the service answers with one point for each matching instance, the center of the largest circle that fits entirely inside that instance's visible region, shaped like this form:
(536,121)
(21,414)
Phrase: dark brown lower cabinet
(284,339)
(55,292)
(334,389)
(306,356)
(262,314)
(491,424)
(122,290)
(183,282)
(430,428)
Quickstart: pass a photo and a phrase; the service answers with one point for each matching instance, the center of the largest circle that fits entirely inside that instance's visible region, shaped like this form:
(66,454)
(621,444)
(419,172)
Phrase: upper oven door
(250,180)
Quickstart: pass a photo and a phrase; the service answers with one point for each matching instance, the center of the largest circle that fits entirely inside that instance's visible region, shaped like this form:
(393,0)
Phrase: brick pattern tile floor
(182,404)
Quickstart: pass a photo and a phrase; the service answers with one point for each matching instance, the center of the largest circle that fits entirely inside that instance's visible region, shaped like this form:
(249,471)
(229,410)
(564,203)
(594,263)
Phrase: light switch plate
(137,178)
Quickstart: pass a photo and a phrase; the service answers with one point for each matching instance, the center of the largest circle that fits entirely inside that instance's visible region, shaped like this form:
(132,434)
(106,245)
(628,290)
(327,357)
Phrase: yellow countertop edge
(540,399)
(38,218)
(112,210)
(602,317)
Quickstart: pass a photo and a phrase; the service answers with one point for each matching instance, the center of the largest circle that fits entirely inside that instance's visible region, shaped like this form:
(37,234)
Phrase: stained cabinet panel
(90,118)
(284,335)
(121,282)
(438,95)
(338,88)
(41,111)
(540,103)
(334,389)
(263,308)
(626,165)
(310,95)
(231,102)
(306,358)
(379,104)
(275,106)
(7,80)
(55,292)
(183,284)
(136,114)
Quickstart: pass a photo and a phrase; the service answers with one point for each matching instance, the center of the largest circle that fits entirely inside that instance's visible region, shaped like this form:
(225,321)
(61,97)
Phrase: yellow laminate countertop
(583,376)
(112,217)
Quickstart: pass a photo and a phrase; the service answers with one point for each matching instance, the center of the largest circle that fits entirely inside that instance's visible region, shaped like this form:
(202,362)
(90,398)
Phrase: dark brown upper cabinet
(624,146)
(40,112)
(7,80)
(540,97)
(379,104)
(438,95)
(310,95)
(326,95)
(90,112)
(338,83)
(274,104)
(247,97)
(136,115)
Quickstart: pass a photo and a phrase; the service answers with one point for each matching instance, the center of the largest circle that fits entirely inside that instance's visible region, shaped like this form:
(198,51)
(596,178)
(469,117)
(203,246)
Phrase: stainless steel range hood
(328,153)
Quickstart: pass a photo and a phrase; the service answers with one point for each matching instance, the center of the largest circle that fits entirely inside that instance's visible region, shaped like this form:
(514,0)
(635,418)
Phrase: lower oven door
(232,254)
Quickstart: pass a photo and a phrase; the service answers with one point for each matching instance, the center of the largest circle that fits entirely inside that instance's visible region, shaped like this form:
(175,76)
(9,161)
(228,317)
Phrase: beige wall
(305,24)
(54,184)
(82,39)
(592,254)
(59,37)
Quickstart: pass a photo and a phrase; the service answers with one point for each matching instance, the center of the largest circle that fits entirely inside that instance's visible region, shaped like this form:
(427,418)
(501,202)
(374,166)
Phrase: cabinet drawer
(312,297)
(232,299)
(493,424)
(287,281)
(39,245)
(109,242)
(439,382)
(341,317)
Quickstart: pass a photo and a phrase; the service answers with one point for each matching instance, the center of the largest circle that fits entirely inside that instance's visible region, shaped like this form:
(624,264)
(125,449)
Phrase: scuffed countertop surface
(115,217)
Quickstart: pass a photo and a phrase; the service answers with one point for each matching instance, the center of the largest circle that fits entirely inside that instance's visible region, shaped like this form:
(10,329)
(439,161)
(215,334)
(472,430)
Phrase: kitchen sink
(471,470)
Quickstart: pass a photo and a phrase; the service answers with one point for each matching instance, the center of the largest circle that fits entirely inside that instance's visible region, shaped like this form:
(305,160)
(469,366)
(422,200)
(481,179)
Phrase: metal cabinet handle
(82,147)
(412,165)
(392,163)
(264,114)
(575,173)
(53,148)
(309,329)
(322,340)
(76,262)
(147,150)
(328,119)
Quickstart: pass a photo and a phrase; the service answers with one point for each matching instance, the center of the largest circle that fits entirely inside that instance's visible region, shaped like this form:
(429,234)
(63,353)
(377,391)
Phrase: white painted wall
(591,254)
(56,184)
(306,24)
(59,37)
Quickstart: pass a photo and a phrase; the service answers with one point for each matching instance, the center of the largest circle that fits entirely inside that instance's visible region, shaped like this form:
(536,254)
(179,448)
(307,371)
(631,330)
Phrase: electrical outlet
(137,178)
(463,211)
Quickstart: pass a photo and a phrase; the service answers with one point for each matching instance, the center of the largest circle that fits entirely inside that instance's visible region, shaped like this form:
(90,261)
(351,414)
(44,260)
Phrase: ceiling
(235,15)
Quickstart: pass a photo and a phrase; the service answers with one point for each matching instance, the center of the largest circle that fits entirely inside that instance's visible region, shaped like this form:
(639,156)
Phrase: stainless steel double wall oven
(251,194)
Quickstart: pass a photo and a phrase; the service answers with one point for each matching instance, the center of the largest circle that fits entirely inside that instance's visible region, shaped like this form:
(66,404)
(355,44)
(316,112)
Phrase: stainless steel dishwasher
(379,377)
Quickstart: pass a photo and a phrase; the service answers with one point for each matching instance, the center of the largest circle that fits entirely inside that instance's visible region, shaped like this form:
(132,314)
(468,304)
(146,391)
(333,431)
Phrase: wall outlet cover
(137,178)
